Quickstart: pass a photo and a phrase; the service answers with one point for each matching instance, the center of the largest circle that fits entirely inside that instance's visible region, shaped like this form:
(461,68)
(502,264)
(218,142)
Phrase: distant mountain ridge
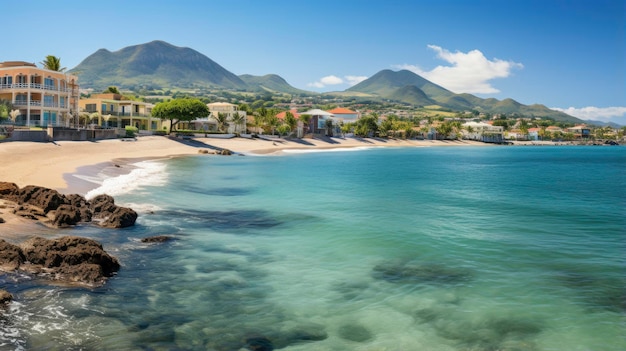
(408,87)
(158,64)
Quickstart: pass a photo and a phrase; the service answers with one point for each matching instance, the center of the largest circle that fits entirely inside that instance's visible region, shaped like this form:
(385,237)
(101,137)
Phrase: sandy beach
(48,164)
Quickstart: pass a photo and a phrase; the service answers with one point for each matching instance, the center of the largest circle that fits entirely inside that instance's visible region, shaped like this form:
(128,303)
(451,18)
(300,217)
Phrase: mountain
(154,64)
(408,87)
(271,83)
(387,82)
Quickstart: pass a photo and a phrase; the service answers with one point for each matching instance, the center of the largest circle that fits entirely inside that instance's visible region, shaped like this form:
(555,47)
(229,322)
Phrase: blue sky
(569,55)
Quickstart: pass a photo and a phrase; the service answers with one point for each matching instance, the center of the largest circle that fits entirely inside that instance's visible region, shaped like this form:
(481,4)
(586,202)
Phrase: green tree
(283,129)
(52,63)
(112,90)
(290,120)
(222,121)
(346,128)
(445,129)
(328,126)
(178,110)
(238,119)
(305,119)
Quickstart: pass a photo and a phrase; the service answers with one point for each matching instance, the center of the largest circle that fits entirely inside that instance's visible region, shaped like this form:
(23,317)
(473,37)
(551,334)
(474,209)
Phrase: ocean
(436,248)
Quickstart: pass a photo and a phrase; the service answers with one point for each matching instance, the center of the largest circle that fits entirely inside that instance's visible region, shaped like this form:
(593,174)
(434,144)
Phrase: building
(342,114)
(42,97)
(109,110)
(580,131)
(483,132)
(231,111)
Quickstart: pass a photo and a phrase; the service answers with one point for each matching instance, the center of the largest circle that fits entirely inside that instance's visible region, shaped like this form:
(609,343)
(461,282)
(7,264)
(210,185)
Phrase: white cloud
(469,72)
(354,80)
(603,114)
(325,81)
(334,80)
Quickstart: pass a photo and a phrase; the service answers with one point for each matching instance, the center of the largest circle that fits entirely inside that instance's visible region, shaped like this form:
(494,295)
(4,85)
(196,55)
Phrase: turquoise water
(449,248)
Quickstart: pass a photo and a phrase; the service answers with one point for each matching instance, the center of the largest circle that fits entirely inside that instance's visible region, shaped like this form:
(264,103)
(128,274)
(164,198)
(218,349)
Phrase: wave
(146,173)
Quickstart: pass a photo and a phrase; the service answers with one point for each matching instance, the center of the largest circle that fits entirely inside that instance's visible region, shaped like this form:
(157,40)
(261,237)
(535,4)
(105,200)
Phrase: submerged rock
(157,239)
(430,273)
(355,333)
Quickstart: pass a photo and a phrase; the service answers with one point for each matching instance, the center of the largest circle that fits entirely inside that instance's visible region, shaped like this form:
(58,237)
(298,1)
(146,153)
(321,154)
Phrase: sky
(567,55)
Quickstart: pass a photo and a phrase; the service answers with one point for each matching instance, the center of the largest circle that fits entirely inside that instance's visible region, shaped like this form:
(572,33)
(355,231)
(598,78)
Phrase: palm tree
(306,119)
(53,63)
(238,120)
(222,121)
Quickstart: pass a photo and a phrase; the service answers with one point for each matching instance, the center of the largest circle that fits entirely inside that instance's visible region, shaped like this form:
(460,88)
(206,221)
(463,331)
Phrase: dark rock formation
(66,215)
(110,215)
(5,297)
(60,210)
(1,220)
(226,152)
(157,239)
(11,256)
(68,259)
(7,188)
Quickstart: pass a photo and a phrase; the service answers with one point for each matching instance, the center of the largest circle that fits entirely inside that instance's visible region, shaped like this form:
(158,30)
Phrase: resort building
(319,118)
(111,110)
(580,131)
(344,115)
(236,120)
(483,132)
(40,96)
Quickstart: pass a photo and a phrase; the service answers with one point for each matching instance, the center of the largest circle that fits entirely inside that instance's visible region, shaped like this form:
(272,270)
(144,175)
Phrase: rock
(259,343)
(102,204)
(426,273)
(157,239)
(44,198)
(81,204)
(1,220)
(355,333)
(5,297)
(226,152)
(70,259)
(122,217)
(65,216)
(7,188)
(110,215)
(11,256)
(203,151)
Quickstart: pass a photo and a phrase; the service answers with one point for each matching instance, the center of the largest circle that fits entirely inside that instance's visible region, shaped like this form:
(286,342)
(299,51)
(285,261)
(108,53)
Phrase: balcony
(33,86)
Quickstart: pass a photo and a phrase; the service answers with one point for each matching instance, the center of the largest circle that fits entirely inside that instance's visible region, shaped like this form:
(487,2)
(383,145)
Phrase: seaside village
(42,104)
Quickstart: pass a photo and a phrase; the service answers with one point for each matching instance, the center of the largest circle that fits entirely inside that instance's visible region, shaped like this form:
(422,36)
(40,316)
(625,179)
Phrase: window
(104,108)
(90,107)
(49,83)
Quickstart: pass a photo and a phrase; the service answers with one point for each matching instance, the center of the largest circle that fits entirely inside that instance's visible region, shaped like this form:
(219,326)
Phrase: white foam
(146,173)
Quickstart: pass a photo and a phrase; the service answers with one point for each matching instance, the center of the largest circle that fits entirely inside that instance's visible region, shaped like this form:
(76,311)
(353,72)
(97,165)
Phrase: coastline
(52,164)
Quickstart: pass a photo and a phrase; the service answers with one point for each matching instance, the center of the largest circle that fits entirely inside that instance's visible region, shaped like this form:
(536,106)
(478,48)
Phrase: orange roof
(284,113)
(341,110)
(534,129)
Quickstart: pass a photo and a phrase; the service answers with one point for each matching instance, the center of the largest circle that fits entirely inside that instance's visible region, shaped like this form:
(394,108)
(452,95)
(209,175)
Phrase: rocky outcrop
(59,210)
(67,259)
(5,297)
(11,256)
(110,215)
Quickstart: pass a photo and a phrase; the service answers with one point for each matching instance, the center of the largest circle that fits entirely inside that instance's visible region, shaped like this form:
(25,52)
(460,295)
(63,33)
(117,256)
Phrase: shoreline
(56,165)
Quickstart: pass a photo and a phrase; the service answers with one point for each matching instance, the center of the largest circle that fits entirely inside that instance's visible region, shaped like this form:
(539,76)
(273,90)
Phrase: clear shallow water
(495,248)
